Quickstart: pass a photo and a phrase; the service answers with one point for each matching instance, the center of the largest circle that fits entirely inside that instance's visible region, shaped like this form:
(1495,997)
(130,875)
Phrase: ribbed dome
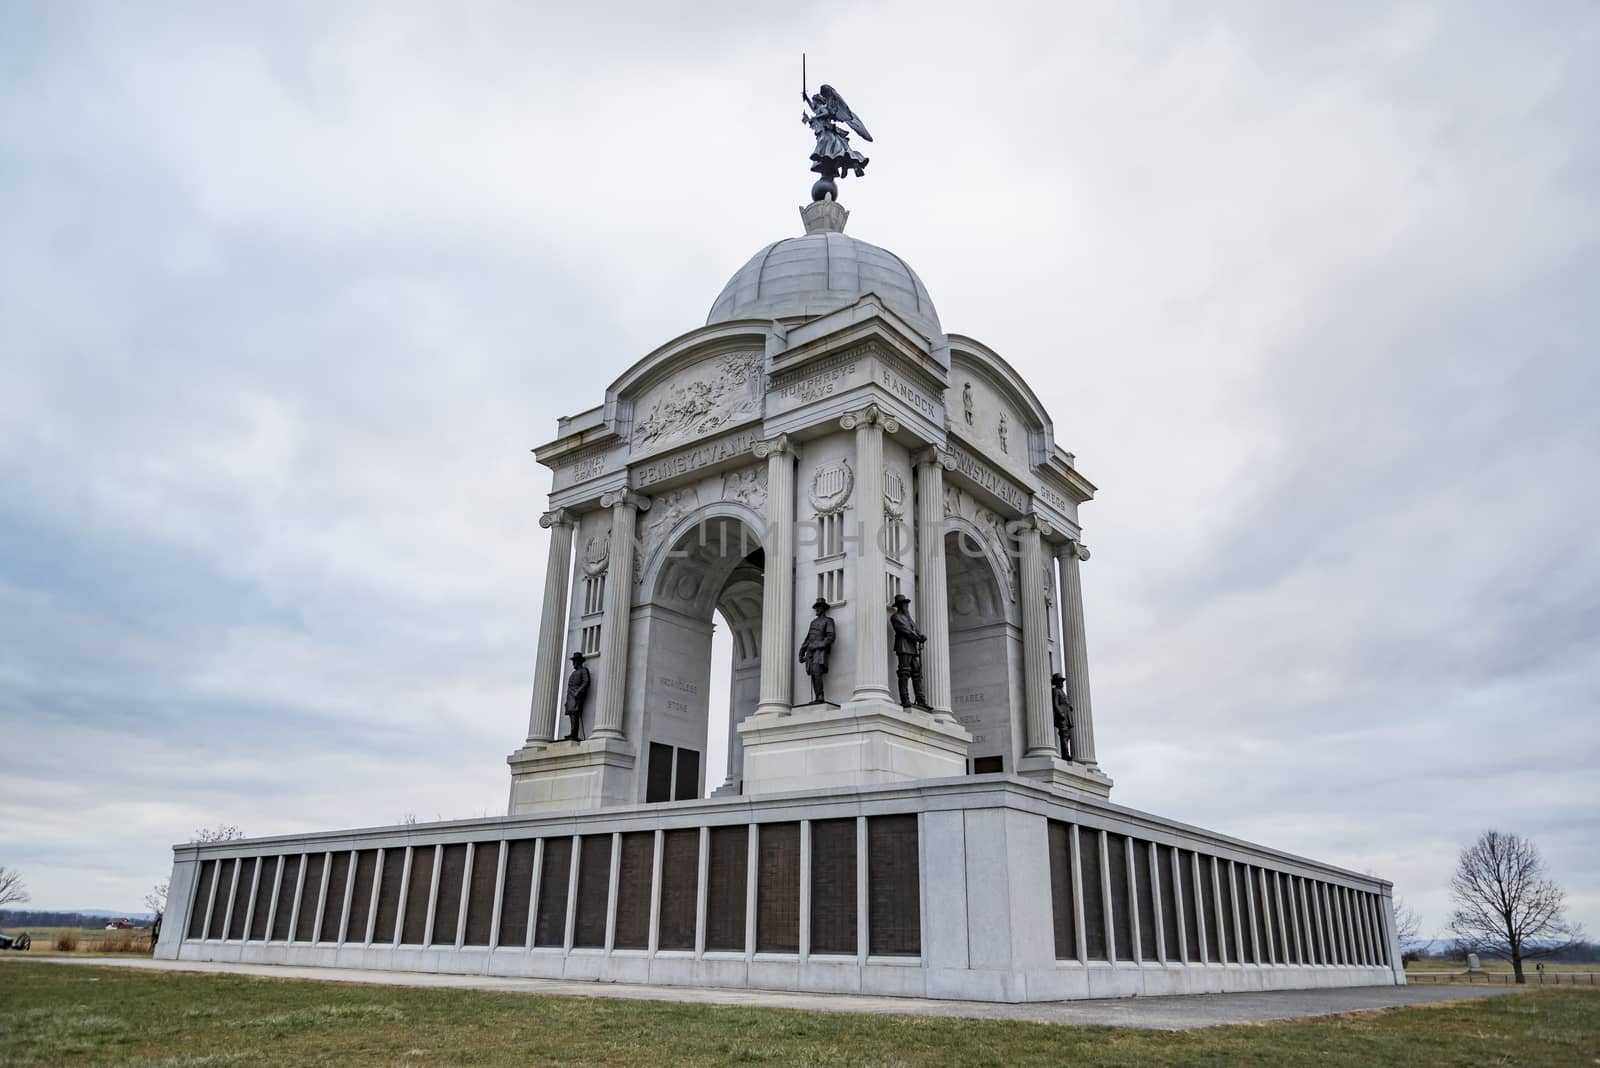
(819,273)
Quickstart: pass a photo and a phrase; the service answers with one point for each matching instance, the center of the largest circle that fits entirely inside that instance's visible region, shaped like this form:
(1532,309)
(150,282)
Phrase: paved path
(1157,1013)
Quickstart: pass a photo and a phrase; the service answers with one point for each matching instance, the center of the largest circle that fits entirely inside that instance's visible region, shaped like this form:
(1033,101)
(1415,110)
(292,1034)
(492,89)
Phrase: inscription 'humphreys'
(817,380)
(681,463)
(986,477)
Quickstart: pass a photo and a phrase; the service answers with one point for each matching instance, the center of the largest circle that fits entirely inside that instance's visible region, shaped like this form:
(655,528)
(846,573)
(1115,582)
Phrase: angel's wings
(838,110)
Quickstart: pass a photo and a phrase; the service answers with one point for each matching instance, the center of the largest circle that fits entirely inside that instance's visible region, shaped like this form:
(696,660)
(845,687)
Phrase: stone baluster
(933,607)
(552,627)
(611,698)
(777,584)
(871,592)
(1075,651)
(1041,734)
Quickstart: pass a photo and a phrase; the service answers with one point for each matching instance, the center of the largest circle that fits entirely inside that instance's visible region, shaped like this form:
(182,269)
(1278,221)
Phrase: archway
(706,565)
(985,655)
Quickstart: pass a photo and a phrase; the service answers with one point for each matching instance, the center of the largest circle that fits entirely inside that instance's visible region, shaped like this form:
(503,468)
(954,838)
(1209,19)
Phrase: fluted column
(777,583)
(872,641)
(1036,644)
(933,608)
(552,627)
(1075,651)
(625,507)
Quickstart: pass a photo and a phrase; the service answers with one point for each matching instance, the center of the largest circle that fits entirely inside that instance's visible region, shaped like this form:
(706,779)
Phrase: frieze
(702,400)
(686,461)
(988,478)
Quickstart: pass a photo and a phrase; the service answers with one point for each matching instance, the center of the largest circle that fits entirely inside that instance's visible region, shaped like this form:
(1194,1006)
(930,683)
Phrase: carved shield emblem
(831,486)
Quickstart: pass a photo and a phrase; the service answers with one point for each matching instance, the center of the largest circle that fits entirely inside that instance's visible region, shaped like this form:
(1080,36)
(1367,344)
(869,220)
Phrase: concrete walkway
(1178,1013)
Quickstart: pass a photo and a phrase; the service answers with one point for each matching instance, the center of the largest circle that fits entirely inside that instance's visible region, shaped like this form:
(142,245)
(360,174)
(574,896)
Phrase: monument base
(864,743)
(1066,775)
(562,776)
(988,888)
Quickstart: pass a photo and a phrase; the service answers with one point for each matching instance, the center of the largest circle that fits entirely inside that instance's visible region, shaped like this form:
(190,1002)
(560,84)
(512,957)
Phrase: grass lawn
(59,1014)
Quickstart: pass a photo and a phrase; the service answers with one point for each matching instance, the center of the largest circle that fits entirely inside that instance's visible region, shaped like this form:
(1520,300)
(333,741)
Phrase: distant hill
(75,918)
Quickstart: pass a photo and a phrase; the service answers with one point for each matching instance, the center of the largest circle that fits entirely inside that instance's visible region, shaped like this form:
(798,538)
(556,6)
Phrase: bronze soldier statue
(814,650)
(1062,709)
(908,651)
(577,690)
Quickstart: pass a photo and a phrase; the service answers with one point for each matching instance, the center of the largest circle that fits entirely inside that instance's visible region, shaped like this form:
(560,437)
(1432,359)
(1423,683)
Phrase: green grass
(63,1014)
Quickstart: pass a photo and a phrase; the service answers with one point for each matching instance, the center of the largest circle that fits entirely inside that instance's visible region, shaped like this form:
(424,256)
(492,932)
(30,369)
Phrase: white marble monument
(820,441)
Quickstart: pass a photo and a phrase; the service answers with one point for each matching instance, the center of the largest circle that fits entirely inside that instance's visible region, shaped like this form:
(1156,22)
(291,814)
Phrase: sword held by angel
(833,157)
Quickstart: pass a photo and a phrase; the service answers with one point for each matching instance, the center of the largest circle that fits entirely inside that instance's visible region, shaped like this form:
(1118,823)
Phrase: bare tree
(156,900)
(1407,924)
(1504,905)
(222,832)
(12,892)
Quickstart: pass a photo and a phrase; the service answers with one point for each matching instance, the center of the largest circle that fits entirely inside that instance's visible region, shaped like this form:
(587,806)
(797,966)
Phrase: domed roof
(819,273)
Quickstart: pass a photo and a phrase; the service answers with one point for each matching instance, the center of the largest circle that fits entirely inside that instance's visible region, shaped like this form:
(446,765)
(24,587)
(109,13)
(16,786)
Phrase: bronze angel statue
(833,157)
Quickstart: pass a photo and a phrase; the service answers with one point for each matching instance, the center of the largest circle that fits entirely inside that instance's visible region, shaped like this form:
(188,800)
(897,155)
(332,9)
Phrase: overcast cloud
(287,293)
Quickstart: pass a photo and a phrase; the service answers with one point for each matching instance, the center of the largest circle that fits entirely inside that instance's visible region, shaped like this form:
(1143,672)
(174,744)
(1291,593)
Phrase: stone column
(933,607)
(777,583)
(872,640)
(1041,734)
(1075,651)
(552,627)
(611,697)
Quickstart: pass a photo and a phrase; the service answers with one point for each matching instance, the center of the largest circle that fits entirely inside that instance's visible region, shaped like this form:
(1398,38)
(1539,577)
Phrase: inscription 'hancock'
(681,463)
(910,394)
(988,478)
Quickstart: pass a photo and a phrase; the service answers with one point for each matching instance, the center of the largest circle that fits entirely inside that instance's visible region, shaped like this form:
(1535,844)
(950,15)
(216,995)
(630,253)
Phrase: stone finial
(824,217)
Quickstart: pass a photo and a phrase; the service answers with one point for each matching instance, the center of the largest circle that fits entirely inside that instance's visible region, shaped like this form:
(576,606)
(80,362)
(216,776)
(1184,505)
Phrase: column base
(571,776)
(824,745)
(1067,776)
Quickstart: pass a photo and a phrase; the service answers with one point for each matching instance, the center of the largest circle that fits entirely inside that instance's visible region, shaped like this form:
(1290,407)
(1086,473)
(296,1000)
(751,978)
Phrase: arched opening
(985,655)
(703,593)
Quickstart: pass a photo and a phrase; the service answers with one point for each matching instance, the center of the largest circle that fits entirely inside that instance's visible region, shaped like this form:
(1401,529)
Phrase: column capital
(1071,548)
(933,454)
(774,446)
(557,517)
(871,415)
(1036,522)
(625,496)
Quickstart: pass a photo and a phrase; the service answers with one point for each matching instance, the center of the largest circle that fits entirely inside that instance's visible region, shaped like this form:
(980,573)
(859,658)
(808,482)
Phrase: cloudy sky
(287,293)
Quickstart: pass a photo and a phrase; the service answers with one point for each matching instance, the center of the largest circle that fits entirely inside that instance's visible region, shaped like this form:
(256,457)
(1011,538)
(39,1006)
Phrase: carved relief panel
(701,399)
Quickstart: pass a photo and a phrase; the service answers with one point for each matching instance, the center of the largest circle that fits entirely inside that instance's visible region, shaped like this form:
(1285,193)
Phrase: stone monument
(924,813)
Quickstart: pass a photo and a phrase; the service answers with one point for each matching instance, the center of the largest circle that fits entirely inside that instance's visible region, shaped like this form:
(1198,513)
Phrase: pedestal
(1065,775)
(824,746)
(572,776)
